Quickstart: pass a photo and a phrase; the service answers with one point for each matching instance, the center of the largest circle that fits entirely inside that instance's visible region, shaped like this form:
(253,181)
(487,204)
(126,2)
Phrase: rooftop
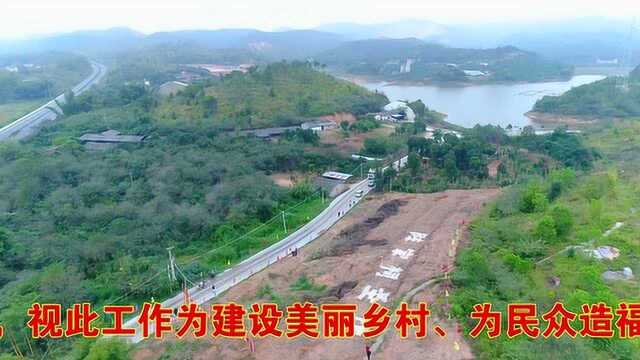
(268,132)
(336,175)
(111,136)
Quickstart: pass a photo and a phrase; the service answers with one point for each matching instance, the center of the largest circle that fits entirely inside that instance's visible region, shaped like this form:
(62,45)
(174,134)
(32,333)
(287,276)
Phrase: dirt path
(345,261)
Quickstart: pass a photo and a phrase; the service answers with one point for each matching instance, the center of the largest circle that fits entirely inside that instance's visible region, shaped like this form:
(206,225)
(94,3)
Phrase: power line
(131,290)
(275,217)
(174,266)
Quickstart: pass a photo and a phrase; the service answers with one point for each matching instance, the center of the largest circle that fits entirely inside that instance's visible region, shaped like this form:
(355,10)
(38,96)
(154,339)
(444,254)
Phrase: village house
(108,139)
(171,88)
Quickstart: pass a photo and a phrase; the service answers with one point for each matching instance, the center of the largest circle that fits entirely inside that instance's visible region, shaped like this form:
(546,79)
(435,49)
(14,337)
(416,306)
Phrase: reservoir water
(497,104)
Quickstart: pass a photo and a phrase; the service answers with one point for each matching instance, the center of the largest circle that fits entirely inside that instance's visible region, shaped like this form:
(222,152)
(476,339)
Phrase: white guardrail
(337,209)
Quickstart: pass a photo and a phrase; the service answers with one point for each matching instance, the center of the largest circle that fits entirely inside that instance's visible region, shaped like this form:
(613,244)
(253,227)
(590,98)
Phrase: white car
(359,193)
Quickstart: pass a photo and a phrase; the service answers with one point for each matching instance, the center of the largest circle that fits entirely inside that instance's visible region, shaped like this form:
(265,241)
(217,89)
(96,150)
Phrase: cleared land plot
(341,263)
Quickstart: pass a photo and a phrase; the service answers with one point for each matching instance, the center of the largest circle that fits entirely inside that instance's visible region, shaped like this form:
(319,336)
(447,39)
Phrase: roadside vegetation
(446,160)
(531,247)
(93,226)
(14,110)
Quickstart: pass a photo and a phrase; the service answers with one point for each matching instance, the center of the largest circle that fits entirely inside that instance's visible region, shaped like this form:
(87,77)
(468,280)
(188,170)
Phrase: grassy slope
(499,267)
(14,110)
(245,242)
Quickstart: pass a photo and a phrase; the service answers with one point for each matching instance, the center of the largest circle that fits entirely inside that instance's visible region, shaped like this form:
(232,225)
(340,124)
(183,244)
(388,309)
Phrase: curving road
(338,208)
(309,232)
(29,123)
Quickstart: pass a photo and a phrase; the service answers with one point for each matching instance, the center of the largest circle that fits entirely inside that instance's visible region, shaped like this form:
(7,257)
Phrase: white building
(474,73)
(400,111)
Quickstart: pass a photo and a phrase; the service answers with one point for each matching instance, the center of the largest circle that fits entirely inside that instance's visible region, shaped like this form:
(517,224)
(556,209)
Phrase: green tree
(450,167)
(563,220)
(109,349)
(533,200)
(376,146)
(419,108)
(209,106)
(413,162)
(546,229)
(4,241)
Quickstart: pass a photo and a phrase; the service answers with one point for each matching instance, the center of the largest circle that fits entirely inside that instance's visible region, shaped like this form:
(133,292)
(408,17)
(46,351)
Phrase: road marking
(389,272)
(416,237)
(403,254)
(374,295)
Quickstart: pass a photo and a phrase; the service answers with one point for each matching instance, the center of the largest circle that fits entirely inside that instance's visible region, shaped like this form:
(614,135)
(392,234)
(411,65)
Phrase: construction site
(391,248)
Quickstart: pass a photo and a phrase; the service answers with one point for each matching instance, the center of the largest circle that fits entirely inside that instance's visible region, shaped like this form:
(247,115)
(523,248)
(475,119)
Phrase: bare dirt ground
(287,179)
(340,117)
(345,260)
(353,143)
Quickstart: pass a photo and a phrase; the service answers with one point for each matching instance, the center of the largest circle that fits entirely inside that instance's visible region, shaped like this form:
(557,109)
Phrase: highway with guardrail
(28,124)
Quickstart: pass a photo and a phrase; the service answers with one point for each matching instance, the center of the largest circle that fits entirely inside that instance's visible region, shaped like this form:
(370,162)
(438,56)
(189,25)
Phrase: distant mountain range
(417,60)
(420,29)
(585,41)
(294,44)
(78,41)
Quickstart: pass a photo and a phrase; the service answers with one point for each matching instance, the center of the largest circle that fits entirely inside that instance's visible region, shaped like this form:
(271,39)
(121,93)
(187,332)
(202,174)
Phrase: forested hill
(611,97)
(416,60)
(273,95)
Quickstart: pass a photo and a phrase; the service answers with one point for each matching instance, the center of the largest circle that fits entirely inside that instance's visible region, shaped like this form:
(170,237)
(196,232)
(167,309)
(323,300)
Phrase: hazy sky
(20,18)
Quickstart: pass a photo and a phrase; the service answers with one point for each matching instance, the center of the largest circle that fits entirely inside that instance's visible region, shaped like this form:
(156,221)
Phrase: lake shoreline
(496,104)
(364,79)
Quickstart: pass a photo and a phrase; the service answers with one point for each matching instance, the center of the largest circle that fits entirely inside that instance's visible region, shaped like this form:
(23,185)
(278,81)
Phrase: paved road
(29,123)
(309,232)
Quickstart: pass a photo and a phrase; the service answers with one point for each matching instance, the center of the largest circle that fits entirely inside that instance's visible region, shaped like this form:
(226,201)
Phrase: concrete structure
(474,73)
(111,136)
(429,131)
(222,70)
(362,157)
(171,88)
(273,132)
(268,133)
(406,66)
(398,111)
(336,175)
(318,125)
(331,187)
(108,139)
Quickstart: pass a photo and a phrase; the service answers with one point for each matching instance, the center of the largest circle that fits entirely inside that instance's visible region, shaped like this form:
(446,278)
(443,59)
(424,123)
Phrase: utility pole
(284,222)
(172,265)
